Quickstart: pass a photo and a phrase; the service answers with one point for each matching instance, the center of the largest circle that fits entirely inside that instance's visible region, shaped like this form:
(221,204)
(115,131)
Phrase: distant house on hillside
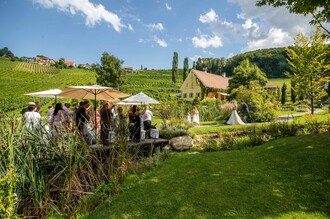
(85,66)
(70,63)
(214,85)
(44,60)
(128,68)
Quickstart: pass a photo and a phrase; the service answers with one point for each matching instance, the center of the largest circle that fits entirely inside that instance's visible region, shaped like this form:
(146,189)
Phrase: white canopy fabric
(235,119)
(139,99)
(93,92)
(47,93)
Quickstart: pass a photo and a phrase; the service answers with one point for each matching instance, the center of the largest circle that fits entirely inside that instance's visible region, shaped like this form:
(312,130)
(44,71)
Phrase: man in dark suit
(245,111)
(81,116)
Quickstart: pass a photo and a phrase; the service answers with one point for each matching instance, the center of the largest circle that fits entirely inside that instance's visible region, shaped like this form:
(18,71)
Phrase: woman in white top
(195,116)
(32,118)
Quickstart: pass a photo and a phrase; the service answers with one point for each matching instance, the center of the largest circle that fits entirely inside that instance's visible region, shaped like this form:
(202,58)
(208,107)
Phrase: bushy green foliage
(172,132)
(261,109)
(110,72)
(247,74)
(210,110)
(235,140)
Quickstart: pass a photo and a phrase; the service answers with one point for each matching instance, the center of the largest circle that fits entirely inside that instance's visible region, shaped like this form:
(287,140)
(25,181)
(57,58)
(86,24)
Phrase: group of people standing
(109,118)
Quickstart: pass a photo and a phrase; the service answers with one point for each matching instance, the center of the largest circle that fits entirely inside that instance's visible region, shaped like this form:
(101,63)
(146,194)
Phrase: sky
(144,32)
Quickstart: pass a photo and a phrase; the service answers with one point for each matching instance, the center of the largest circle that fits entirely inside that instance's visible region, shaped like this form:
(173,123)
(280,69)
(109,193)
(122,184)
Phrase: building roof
(69,62)
(212,80)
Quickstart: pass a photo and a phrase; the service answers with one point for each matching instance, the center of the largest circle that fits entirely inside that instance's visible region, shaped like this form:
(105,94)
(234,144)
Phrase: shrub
(169,133)
(312,125)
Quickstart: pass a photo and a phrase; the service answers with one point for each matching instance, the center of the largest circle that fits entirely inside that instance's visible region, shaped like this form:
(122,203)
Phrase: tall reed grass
(42,173)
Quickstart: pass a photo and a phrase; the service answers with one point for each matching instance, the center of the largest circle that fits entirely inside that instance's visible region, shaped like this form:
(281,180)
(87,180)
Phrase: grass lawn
(280,81)
(285,178)
(216,127)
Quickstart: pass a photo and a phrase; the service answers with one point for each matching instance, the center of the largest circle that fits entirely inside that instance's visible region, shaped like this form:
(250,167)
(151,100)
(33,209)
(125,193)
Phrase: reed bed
(44,173)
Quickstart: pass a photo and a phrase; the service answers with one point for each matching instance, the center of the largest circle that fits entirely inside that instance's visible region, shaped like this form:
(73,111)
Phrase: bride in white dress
(234,118)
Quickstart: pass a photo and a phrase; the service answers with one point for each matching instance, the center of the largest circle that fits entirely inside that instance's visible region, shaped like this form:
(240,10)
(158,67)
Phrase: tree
(60,64)
(283,94)
(319,9)
(309,65)
(175,69)
(6,53)
(247,74)
(199,64)
(110,72)
(185,68)
(293,93)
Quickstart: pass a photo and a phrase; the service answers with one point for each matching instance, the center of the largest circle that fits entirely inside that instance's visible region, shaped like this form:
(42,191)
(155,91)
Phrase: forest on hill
(273,62)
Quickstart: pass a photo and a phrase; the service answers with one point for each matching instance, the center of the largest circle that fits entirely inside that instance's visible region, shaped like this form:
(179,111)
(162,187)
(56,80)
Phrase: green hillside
(18,78)
(14,83)
(284,178)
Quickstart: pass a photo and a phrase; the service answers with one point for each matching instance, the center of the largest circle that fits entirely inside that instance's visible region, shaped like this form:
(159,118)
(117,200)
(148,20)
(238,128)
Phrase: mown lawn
(285,178)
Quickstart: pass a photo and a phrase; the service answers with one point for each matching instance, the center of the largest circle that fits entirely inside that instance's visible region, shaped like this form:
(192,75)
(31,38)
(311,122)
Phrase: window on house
(191,95)
(187,84)
(192,84)
(198,94)
(184,95)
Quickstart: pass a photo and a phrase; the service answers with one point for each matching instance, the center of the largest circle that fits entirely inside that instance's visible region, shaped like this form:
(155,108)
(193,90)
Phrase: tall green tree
(247,74)
(175,70)
(185,68)
(293,94)
(319,9)
(110,72)
(283,93)
(309,64)
(199,64)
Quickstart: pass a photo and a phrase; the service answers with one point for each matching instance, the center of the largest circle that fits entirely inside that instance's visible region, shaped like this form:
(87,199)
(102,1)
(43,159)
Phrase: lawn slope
(285,178)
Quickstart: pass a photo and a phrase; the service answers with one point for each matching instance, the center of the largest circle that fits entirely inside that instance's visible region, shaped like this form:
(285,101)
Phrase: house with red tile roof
(44,60)
(215,86)
(68,63)
(128,68)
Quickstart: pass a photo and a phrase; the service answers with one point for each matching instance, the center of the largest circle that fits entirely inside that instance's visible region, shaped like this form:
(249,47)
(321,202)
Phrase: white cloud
(94,13)
(230,55)
(255,27)
(205,41)
(269,17)
(195,58)
(208,52)
(179,40)
(251,29)
(209,17)
(158,26)
(275,38)
(160,42)
(168,7)
(129,26)
(141,40)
